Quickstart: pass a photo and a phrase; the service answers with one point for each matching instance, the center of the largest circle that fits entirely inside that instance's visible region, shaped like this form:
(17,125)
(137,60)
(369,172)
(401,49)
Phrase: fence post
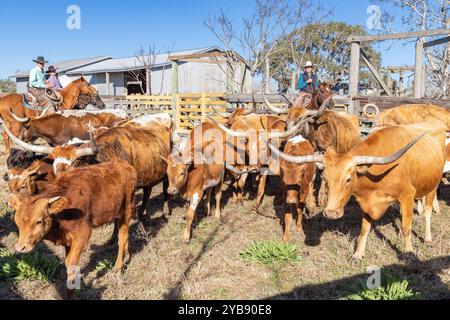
(177,116)
(354,69)
(175,97)
(418,80)
(203,107)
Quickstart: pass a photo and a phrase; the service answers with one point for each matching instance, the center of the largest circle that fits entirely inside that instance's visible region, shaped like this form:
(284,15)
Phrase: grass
(34,266)
(394,289)
(105,264)
(269,252)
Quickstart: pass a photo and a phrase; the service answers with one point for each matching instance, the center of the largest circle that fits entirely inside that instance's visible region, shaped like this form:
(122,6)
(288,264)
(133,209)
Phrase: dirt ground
(162,266)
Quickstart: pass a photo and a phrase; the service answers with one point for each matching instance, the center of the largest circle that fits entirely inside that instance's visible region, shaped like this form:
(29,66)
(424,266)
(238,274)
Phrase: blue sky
(117,28)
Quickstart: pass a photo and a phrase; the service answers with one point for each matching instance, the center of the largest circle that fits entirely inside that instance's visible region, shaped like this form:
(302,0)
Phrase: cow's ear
(33,173)
(363,170)
(56,205)
(14,200)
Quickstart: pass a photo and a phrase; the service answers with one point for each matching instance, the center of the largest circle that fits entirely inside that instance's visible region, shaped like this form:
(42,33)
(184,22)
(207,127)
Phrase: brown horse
(314,101)
(306,100)
(77,94)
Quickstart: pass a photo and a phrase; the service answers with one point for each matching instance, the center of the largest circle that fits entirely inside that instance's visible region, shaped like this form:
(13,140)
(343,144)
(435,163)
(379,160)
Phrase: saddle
(44,100)
(30,101)
(303,100)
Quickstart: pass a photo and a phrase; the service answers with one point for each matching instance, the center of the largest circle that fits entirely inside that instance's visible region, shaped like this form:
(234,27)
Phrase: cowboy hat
(40,60)
(308,64)
(51,69)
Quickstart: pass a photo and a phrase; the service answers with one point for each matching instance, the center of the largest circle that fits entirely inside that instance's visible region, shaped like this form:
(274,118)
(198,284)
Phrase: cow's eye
(39,222)
(348,179)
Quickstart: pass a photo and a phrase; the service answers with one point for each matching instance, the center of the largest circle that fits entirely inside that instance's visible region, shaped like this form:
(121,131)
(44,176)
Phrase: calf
(75,203)
(298,183)
(190,175)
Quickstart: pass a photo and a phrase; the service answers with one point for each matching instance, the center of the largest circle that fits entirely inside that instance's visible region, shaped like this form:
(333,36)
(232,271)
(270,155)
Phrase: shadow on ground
(423,277)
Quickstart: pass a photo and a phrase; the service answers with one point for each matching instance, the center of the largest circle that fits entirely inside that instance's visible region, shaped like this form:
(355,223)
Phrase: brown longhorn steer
(431,115)
(298,183)
(72,205)
(192,172)
(394,164)
(248,149)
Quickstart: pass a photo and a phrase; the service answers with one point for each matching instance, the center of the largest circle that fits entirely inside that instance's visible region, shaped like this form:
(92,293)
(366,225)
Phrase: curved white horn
(272,107)
(44,112)
(368,160)
(323,107)
(231,133)
(290,132)
(222,114)
(84,152)
(368,115)
(17,118)
(236,171)
(28,146)
(295,159)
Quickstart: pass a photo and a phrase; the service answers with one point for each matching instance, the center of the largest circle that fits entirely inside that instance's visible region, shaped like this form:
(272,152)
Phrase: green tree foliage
(325,44)
(7,86)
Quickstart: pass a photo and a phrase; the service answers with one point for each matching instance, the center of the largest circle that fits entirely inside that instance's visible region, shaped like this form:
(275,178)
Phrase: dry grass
(162,266)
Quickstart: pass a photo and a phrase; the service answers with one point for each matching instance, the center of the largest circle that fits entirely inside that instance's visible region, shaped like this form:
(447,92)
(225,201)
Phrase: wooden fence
(197,106)
(188,107)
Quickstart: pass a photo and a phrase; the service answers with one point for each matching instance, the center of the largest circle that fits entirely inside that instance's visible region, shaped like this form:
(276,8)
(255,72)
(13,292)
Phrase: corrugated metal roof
(67,65)
(133,63)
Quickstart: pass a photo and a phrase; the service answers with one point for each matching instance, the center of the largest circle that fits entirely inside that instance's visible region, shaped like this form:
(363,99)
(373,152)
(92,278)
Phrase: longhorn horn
(17,118)
(231,133)
(272,107)
(253,109)
(368,160)
(222,114)
(238,172)
(294,159)
(290,132)
(84,152)
(191,121)
(323,107)
(92,151)
(28,146)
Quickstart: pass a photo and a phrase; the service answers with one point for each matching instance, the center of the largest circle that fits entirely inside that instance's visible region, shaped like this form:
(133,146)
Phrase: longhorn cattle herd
(87,172)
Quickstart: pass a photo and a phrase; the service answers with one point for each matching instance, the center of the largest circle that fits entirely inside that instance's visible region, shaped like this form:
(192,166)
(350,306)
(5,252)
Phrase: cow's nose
(291,201)
(172,191)
(6,177)
(334,214)
(20,248)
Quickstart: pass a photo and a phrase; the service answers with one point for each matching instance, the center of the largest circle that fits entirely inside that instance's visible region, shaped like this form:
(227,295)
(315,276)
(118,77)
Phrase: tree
(257,37)
(422,15)
(325,44)
(7,86)
(142,71)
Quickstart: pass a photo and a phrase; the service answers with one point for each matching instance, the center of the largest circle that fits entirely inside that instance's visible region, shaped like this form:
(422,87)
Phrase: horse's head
(323,92)
(88,90)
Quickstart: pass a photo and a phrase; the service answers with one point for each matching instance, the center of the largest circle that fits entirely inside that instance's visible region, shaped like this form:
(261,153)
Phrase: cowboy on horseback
(39,88)
(308,81)
(53,80)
